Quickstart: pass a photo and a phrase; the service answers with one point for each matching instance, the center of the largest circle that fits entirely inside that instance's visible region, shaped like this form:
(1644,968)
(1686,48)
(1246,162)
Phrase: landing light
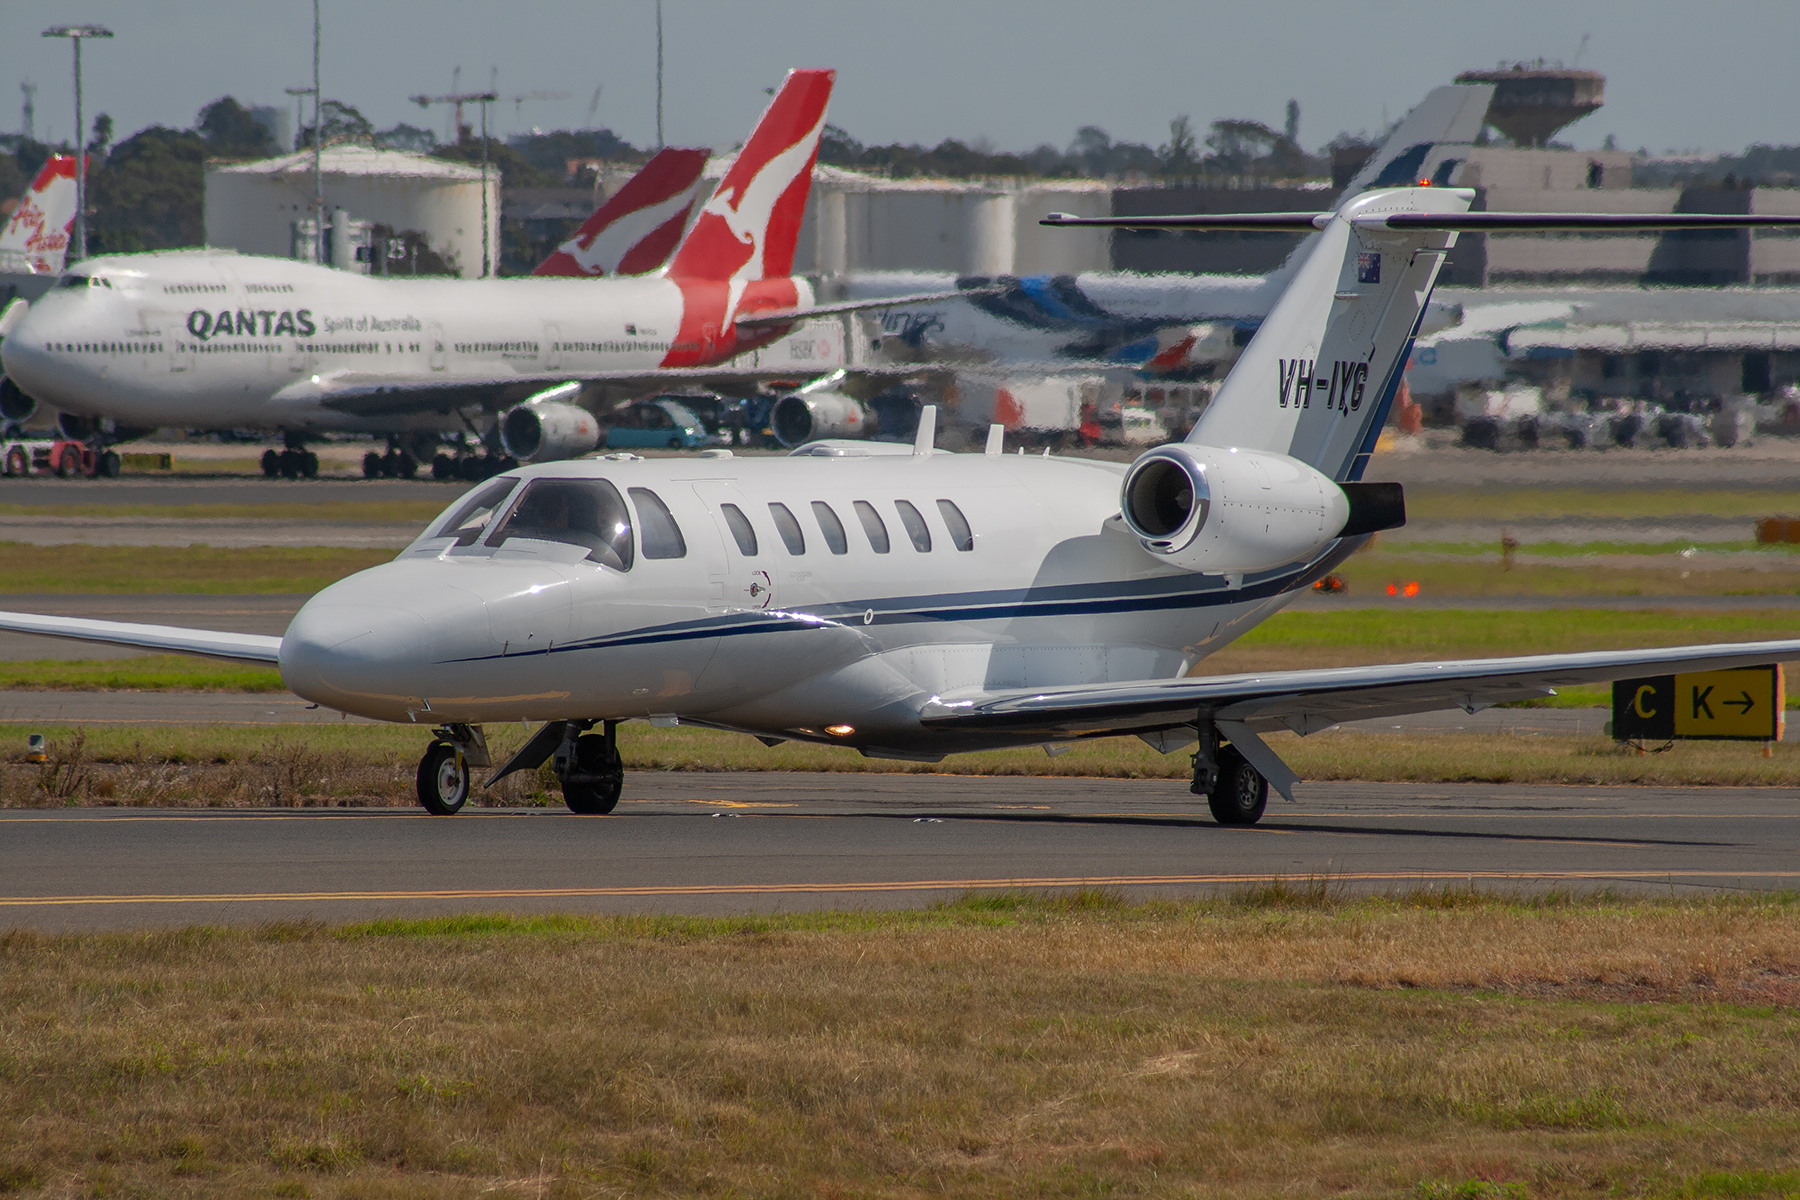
(840,730)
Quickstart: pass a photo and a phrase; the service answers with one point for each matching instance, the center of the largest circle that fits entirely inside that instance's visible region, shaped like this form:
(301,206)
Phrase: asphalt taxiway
(690,843)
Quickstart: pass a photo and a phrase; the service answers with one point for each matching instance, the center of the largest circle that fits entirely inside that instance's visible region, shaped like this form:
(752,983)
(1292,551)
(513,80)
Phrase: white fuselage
(1054,591)
(208,339)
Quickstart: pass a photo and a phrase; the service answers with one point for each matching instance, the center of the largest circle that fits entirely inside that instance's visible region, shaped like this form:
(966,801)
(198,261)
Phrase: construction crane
(459,99)
(519,102)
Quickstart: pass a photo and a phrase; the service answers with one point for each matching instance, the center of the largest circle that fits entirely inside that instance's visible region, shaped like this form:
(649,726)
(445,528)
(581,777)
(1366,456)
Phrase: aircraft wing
(366,395)
(789,316)
(1308,701)
(237,647)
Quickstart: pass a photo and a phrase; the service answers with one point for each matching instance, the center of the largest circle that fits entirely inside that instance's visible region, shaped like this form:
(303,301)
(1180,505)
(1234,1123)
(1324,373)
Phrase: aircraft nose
(357,657)
(23,356)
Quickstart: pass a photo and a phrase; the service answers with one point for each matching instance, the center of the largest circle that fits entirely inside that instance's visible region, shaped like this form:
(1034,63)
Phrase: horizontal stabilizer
(1218,222)
(209,643)
(1474,222)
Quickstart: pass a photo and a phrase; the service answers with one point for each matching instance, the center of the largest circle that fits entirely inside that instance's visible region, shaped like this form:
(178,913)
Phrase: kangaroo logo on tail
(37,238)
(640,225)
(750,227)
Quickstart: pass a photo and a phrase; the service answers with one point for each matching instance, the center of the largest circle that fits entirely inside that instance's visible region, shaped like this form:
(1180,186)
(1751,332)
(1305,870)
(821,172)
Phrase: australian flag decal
(1368,266)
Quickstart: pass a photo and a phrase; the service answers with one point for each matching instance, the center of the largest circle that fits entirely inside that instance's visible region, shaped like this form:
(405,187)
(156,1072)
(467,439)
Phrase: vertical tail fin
(1316,381)
(750,227)
(1429,141)
(37,238)
(640,225)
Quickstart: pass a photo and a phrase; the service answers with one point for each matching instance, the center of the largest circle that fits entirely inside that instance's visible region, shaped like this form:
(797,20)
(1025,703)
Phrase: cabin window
(578,512)
(831,527)
(741,530)
(656,526)
(871,523)
(788,528)
(915,526)
(472,514)
(960,534)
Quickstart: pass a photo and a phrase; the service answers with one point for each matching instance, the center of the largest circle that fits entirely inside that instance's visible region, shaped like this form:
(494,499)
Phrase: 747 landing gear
(1235,791)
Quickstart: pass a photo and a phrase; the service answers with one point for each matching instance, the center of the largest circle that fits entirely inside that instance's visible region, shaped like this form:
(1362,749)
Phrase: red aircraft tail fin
(640,225)
(750,227)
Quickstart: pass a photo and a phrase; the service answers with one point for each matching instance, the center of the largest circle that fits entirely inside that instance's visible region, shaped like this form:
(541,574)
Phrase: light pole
(75,34)
(319,253)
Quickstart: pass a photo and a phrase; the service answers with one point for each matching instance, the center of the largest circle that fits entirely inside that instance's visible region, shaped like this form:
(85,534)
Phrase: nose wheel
(443,779)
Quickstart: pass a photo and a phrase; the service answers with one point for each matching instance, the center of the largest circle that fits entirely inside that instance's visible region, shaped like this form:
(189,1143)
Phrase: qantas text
(245,322)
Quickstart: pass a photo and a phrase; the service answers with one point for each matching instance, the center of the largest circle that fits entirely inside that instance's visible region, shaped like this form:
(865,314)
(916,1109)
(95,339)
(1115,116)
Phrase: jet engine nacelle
(548,430)
(1226,512)
(15,405)
(808,416)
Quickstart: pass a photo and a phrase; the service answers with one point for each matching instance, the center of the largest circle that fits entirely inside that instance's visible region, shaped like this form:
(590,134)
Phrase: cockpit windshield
(467,520)
(580,512)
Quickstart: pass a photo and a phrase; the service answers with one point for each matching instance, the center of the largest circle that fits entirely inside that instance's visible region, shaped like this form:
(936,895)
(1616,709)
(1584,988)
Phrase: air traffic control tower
(1531,104)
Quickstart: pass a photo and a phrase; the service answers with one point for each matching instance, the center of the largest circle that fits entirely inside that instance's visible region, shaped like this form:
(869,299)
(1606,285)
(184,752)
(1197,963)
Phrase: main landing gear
(1235,791)
(586,764)
(293,461)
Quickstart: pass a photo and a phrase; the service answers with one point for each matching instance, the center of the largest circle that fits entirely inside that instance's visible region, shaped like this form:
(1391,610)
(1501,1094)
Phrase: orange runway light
(1412,589)
(1392,590)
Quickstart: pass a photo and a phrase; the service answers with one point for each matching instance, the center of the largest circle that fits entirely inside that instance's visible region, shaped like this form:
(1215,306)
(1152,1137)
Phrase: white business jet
(912,604)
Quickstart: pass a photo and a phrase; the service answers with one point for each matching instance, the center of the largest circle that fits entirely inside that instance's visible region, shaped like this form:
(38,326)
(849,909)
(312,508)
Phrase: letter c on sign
(1637,701)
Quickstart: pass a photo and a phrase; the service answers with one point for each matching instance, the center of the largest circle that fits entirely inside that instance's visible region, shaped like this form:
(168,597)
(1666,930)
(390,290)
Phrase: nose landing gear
(444,777)
(588,765)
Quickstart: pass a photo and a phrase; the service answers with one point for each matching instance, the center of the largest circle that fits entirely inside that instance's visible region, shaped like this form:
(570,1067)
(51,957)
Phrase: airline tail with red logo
(640,225)
(37,238)
(750,227)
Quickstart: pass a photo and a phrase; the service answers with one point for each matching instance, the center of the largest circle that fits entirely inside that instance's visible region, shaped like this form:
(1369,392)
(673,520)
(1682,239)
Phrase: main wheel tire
(674,443)
(271,463)
(409,466)
(110,465)
(371,465)
(18,462)
(443,467)
(309,465)
(1241,793)
(443,780)
(595,796)
(68,463)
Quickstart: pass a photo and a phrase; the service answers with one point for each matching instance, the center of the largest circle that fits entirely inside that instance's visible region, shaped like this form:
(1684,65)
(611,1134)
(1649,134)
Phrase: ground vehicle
(655,424)
(58,455)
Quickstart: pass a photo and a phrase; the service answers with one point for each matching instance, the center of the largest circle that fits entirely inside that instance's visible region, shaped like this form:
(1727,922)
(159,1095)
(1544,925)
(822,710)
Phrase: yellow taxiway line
(906,885)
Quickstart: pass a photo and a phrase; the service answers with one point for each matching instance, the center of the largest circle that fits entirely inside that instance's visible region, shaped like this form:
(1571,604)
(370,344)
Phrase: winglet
(927,434)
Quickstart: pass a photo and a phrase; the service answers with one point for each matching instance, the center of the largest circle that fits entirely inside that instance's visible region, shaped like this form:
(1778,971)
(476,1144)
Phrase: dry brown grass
(361,765)
(1280,1044)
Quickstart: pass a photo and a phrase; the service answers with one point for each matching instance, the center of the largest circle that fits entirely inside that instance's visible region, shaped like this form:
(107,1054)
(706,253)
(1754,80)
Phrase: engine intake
(808,416)
(15,405)
(544,430)
(1230,511)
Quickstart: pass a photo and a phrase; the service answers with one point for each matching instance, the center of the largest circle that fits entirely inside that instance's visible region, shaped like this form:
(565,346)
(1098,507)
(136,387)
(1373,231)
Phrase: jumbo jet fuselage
(220,340)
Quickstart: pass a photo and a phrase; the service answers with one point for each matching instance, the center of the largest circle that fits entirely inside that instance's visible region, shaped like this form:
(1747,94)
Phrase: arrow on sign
(1744,705)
